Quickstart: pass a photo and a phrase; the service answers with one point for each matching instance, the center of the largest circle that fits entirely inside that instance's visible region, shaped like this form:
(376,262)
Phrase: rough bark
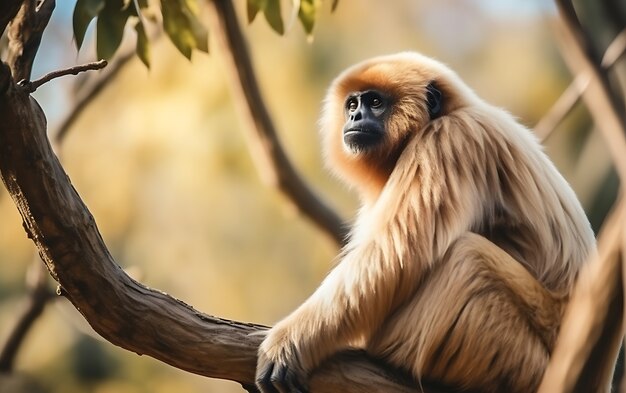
(25,34)
(8,10)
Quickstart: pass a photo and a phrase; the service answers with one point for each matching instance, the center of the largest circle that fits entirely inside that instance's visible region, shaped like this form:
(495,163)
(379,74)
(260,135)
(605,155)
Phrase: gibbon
(465,249)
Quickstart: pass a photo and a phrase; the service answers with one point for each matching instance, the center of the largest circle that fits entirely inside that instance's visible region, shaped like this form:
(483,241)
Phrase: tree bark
(25,34)
(8,10)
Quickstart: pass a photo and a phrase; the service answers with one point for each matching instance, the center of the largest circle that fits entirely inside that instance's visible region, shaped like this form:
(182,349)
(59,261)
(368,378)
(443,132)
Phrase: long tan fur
(466,247)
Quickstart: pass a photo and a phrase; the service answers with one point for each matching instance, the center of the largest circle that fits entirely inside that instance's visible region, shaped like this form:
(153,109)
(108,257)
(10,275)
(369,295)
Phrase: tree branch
(614,51)
(263,141)
(564,105)
(38,293)
(604,107)
(31,86)
(121,310)
(25,35)
(8,10)
(38,296)
(590,336)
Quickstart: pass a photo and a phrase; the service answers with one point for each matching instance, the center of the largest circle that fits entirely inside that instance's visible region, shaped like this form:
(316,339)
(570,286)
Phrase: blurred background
(161,161)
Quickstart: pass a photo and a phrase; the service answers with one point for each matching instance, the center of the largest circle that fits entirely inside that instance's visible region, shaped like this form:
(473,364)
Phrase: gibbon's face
(364,129)
(374,108)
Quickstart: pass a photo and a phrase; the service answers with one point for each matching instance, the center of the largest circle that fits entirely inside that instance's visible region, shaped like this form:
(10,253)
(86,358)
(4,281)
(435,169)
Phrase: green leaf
(198,30)
(306,14)
(178,27)
(200,34)
(254,6)
(181,24)
(110,28)
(84,12)
(143,45)
(273,16)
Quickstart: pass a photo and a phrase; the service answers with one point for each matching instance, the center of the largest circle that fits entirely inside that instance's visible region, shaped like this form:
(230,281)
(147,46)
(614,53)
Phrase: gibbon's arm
(434,195)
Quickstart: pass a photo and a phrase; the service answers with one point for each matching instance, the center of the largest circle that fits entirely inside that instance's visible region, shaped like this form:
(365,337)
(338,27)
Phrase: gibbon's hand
(279,367)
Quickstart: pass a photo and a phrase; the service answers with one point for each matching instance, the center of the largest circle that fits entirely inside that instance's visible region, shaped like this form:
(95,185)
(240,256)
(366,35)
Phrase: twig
(571,95)
(30,87)
(562,107)
(272,161)
(87,97)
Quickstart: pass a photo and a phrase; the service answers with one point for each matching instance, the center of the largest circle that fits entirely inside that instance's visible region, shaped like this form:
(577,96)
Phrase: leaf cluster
(180,21)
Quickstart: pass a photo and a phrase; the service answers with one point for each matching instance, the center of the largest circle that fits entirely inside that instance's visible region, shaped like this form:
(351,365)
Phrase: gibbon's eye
(434,100)
(373,99)
(352,104)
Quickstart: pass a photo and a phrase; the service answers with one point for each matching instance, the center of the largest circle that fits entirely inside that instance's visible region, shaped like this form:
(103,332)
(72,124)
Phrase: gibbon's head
(374,108)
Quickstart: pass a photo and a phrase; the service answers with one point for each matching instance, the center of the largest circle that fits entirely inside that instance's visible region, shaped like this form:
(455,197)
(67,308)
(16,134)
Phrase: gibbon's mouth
(359,138)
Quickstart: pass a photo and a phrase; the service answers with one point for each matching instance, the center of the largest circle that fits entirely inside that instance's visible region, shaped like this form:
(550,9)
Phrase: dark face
(365,113)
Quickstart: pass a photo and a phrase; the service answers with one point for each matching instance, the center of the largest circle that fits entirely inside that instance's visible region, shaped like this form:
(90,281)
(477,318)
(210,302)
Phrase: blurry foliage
(180,20)
(160,160)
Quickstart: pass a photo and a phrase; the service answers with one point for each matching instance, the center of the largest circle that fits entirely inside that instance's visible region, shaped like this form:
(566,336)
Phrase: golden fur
(466,247)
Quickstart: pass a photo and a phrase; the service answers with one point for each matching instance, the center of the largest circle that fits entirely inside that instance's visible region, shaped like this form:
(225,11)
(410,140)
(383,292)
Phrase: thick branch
(592,329)
(25,35)
(8,10)
(271,159)
(123,311)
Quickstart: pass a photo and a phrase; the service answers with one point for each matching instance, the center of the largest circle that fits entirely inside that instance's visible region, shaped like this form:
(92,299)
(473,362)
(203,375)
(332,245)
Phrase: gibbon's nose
(357,114)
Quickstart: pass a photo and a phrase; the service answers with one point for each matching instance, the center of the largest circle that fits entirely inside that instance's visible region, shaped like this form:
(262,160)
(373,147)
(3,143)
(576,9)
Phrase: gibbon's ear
(434,99)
